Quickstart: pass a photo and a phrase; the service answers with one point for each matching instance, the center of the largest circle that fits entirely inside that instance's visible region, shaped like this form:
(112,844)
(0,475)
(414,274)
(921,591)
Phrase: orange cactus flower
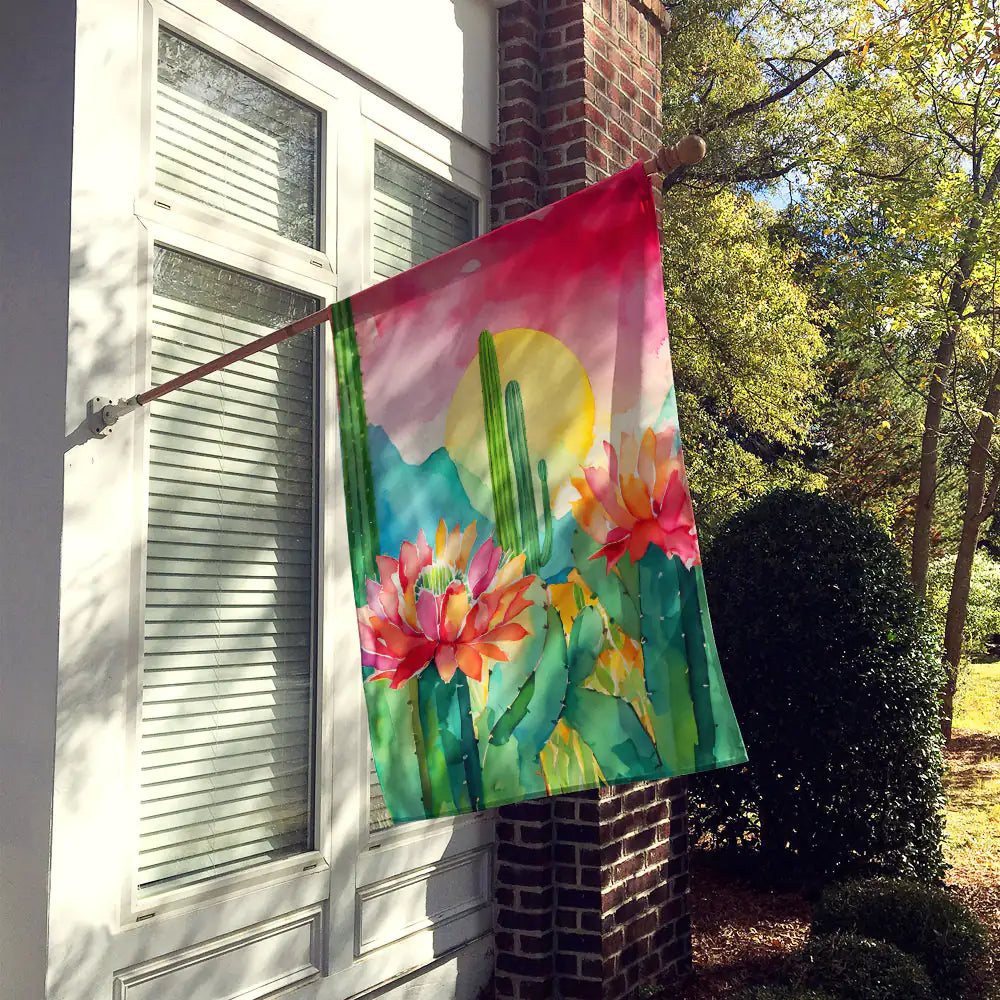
(640,499)
(450,606)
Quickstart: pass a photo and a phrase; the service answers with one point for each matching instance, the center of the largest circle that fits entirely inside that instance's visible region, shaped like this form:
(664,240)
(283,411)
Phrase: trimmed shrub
(849,967)
(834,674)
(924,922)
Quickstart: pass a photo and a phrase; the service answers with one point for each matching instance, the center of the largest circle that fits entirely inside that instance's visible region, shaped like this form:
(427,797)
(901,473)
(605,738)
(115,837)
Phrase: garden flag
(529,593)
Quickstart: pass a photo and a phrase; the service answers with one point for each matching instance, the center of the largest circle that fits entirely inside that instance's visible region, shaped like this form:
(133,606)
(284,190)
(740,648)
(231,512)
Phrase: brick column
(591,889)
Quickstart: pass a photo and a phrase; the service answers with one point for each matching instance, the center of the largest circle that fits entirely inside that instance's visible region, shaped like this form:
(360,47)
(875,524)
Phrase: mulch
(742,934)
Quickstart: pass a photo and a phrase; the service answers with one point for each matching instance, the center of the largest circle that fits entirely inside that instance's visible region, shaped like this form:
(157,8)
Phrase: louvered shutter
(233,143)
(417,217)
(227,679)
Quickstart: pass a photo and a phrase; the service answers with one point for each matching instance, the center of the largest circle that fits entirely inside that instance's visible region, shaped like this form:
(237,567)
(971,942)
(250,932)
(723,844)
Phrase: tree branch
(754,106)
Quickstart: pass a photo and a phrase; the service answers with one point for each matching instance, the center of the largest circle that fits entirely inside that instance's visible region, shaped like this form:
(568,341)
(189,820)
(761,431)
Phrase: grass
(972,784)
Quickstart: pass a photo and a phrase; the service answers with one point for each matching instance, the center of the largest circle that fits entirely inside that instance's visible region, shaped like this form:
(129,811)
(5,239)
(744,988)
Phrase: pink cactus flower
(448,606)
(640,499)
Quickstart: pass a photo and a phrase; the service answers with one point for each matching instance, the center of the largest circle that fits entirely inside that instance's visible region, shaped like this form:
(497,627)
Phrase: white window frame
(377,134)
(349,866)
(181,224)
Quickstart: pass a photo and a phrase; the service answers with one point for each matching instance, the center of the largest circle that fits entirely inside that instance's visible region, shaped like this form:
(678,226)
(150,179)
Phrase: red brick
(604,67)
(519,49)
(522,130)
(566,54)
(523,965)
(580,989)
(568,132)
(597,158)
(572,12)
(553,116)
(565,94)
(619,135)
(517,111)
(537,899)
(536,944)
(596,118)
(553,78)
(509,152)
(520,90)
(589,944)
(518,921)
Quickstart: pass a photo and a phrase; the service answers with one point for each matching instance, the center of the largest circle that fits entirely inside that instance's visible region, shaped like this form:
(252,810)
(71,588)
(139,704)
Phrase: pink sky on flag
(584,290)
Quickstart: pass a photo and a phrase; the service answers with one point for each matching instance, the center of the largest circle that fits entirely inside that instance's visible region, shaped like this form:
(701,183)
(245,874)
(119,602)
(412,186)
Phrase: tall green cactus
(496,445)
(362,525)
(517,525)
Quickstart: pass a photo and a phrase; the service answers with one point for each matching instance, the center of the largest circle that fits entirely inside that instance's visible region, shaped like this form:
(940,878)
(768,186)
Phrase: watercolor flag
(530,601)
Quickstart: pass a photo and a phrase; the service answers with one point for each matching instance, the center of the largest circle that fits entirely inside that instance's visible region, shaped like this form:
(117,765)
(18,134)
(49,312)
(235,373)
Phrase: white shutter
(227,680)
(417,217)
(233,143)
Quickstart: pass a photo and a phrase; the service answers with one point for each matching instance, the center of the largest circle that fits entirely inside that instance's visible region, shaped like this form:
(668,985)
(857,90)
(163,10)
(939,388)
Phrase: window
(208,640)
(227,671)
(416,217)
(228,676)
(230,141)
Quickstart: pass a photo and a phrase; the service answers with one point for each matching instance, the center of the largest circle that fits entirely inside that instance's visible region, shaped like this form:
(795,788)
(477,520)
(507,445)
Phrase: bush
(982,620)
(925,922)
(849,967)
(834,675)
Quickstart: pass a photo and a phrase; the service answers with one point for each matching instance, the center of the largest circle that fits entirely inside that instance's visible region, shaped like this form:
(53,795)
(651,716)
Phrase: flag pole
(689,151)
(103,414)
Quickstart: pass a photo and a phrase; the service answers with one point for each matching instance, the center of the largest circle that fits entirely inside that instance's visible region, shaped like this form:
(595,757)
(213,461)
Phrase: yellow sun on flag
(558,415)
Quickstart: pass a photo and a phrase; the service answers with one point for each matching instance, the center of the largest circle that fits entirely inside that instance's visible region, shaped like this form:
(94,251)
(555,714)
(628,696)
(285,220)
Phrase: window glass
(228,662)
(417,217)
(230,141)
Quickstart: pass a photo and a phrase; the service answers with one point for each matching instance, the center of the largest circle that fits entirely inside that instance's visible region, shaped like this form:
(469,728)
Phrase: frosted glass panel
(234,143)
(227,682)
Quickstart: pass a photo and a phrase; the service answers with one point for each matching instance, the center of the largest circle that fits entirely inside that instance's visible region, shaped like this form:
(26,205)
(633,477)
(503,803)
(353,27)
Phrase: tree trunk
(958,300)
(924,515)
(977,509)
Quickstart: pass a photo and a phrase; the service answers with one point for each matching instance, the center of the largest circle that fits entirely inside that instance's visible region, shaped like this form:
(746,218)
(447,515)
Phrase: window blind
(233,143)
(227,676)
(416,217)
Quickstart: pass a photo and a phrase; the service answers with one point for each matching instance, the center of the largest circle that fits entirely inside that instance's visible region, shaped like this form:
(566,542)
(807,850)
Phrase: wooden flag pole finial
(690,150)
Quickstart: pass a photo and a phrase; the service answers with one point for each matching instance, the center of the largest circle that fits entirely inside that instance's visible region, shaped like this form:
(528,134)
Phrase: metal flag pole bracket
(103,413)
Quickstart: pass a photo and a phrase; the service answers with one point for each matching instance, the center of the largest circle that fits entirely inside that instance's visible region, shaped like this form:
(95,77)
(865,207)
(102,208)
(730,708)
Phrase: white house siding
(403,913)
(36,114)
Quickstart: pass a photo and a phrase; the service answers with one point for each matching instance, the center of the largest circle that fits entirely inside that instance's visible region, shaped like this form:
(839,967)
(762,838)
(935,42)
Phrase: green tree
(909,196)
(747,348)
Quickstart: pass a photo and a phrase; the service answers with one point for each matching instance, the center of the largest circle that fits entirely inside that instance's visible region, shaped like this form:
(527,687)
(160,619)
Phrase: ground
(741,934)
(973,786)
